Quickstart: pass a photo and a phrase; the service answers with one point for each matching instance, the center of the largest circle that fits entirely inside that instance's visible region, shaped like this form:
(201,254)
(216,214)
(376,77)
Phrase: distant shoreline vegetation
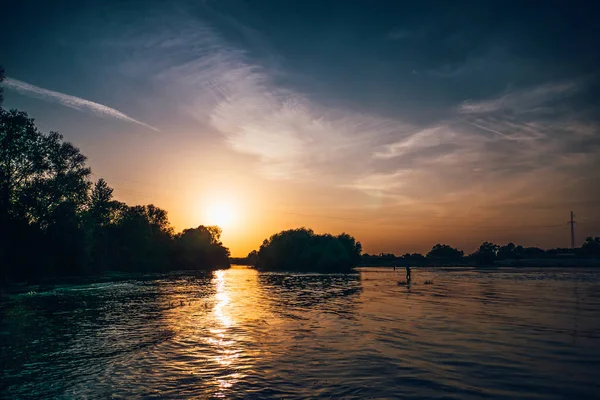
(488,254)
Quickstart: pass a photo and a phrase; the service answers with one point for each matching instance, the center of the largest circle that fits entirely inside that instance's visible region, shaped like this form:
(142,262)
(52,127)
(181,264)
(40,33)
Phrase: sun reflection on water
(228,349)
(216,324)
(222,300)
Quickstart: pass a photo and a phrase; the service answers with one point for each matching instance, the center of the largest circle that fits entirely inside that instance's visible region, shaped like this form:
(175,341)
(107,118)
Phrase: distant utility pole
(572,222)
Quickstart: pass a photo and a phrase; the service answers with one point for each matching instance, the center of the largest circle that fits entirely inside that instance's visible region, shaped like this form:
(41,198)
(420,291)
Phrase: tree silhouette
(100,219)
(486,254)
(444,251)
(43,187)
(22,161)
(252,257)
(591,246)
(102,207)
(201,248)
(507,251)
(303,250)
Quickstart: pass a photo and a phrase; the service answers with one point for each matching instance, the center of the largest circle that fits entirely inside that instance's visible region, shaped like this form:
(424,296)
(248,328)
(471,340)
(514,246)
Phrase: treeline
(302,250)
(54,221)
(487,253)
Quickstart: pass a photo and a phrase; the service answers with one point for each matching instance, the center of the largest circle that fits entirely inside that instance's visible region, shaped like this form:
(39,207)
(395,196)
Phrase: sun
(222,214)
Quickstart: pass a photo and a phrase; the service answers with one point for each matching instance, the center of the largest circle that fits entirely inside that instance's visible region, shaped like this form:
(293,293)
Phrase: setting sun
(222,214)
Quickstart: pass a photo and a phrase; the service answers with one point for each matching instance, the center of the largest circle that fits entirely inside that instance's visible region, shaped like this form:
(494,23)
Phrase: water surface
(242,334)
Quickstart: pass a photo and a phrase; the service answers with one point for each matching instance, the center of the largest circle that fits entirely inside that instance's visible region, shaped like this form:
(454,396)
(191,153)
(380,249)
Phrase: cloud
(70,101)
(428,137)
(289,134)
(381,182)
(523,100)
(529,114)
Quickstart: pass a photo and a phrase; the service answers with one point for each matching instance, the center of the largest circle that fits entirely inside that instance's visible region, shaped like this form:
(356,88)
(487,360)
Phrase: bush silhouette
(303,250)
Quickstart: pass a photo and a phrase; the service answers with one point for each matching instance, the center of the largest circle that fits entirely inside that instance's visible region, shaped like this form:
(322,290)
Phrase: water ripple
(242,334)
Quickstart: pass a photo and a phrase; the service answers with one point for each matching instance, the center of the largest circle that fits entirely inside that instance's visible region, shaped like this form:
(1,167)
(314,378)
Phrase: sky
(405,124)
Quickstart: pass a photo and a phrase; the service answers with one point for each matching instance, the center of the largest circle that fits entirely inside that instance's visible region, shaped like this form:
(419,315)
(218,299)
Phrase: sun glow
(222,214)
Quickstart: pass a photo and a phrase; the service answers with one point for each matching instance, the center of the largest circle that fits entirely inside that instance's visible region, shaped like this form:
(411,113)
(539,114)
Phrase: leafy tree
(252,257)
(591,246)
(43,186)
(22,160)
(64,181)
(351,246)
(486,254)
(141,239)
(102,208)
(413,257)
(303,250)
(531,252)
(101,216)
(201,248)
(445,251)
(507,251)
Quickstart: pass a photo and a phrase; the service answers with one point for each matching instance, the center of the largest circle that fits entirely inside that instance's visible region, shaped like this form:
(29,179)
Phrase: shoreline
(589,262)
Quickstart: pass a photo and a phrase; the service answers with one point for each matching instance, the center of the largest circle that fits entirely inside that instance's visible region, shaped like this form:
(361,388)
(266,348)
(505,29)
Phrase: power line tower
(572,222)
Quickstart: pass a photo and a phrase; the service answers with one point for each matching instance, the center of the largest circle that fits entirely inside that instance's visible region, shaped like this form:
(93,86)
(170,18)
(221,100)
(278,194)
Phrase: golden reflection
(216,327)
(231,345)
(222,299)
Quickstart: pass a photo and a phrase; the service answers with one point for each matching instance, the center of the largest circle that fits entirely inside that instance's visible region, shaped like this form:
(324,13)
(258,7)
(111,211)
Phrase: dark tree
(486,254)
(102,208)
(23,161)
(591,246)
(531,252)
(507,251)
(201,249)
(303,250)
(413,257)
(43,187)
(443,251)
(100,219)
(252,257)
(141,239)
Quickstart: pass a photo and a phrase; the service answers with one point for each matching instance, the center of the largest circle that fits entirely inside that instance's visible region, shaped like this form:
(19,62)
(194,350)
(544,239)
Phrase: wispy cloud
(379,183)
(289,133)
(522,100)
(524,114)
(70,101)
(428,137)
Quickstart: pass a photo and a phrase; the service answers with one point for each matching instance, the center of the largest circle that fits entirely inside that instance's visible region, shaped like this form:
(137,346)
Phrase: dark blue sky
(466,115)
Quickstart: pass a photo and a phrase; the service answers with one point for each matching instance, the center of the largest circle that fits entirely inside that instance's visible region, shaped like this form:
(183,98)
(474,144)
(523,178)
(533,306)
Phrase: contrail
(491,130)
(69,101)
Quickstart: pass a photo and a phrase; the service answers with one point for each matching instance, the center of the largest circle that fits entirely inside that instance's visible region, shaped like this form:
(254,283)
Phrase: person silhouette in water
(408,273)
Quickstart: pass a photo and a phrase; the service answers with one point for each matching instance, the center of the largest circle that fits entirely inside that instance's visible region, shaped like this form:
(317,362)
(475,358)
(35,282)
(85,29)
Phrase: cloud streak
(66,100)
(522,101)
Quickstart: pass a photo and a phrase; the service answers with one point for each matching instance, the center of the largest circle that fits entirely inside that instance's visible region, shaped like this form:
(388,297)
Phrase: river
(239,333)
